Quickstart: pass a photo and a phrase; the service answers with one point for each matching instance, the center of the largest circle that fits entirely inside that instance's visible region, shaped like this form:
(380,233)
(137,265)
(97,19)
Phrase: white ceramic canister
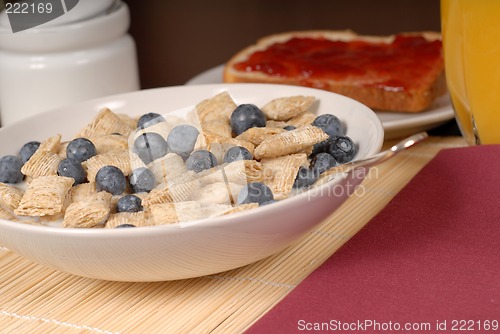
(83,54)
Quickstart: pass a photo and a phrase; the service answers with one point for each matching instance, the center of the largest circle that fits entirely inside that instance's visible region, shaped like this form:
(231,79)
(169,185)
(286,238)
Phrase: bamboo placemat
(34,299)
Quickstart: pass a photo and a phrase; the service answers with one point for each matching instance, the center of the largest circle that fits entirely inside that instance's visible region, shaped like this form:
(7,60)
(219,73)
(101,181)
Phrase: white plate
(395,124)
(182,250)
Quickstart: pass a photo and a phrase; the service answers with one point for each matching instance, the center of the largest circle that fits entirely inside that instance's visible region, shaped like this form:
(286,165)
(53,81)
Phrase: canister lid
(88,24)
(74,11)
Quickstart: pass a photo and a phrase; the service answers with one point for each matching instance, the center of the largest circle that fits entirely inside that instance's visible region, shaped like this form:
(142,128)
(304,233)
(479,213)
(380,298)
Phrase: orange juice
(471,46)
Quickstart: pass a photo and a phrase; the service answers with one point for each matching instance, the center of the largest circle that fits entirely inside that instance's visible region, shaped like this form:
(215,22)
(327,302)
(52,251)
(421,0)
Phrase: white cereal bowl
(179,251)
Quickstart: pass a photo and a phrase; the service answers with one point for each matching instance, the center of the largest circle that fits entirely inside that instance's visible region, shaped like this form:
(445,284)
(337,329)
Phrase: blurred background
(178,39)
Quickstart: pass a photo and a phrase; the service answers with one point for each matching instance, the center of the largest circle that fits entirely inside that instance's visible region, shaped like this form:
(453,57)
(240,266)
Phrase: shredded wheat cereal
(180,195)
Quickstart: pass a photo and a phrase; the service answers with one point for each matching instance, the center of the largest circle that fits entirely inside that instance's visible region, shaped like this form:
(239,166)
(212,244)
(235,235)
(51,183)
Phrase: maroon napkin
(429,259)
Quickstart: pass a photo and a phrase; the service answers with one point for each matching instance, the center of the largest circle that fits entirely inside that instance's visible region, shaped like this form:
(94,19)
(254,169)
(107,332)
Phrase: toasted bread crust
(414,100)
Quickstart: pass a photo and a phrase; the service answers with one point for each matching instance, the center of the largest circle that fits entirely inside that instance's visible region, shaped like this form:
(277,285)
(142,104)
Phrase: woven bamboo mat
(34,299)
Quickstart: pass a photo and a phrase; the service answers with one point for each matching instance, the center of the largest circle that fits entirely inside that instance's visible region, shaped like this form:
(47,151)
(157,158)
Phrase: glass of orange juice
(471,47)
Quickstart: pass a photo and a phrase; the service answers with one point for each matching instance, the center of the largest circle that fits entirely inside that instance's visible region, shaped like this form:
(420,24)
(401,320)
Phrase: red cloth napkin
(429,259)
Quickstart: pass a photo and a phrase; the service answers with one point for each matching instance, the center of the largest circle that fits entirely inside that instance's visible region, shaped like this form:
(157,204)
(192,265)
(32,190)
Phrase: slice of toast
(403,72)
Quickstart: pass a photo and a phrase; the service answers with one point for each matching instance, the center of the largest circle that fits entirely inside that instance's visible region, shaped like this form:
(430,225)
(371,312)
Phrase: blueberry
(72,168)
(246,116)
(322,162)
(110,179)
(237,153)
(80,149)
(28,150)
(125,225)
(330,124)
(305,178)
(268,202)
(150,146)
(10,169)
(255,192)
(343,149)
(149,119)
(320,147)
(142,180)
(201,160)
(129,203)
(289,128)
(181,140)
